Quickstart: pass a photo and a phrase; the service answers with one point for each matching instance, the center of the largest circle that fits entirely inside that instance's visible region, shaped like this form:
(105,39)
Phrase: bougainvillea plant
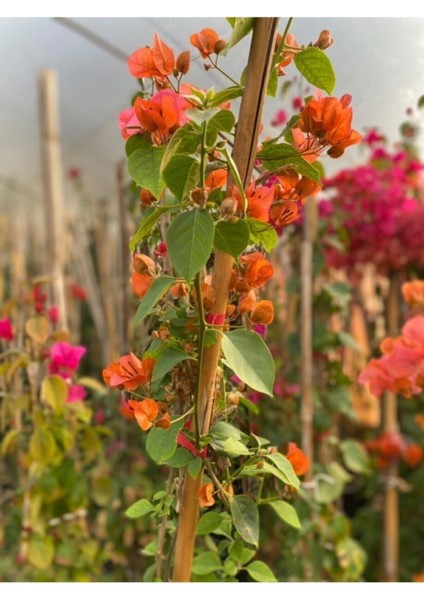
(199,266)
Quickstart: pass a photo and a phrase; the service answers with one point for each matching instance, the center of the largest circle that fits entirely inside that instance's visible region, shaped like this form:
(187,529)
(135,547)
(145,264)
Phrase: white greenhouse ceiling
(379,61)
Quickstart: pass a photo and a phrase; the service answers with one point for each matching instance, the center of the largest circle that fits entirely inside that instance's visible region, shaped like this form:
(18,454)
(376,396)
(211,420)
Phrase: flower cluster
(392,447)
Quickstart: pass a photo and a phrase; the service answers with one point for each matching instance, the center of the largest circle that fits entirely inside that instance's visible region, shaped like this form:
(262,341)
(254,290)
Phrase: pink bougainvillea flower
(128,123)
(280,118)
(53,314)
(157,62)
(65,358)
(129,372)
(76,393)
(6,331)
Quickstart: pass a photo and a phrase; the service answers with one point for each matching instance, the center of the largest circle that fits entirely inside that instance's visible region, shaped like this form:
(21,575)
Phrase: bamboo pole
(53,187)
(306,282)
(245,144)
(390,425)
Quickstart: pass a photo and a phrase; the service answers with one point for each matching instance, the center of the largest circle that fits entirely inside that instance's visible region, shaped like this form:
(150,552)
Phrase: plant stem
(245,144)
(201,343)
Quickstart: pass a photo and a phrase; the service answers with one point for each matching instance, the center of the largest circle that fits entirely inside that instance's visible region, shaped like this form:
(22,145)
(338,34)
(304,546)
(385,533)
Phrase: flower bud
(219,46)
(228,207)
(260,464)
(146,197)
(183,62)
(144,265)
(233,398)
(199,196)
(324,40)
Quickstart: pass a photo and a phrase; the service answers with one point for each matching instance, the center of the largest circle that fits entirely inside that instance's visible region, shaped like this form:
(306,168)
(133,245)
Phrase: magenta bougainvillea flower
(6,331)
(65,358)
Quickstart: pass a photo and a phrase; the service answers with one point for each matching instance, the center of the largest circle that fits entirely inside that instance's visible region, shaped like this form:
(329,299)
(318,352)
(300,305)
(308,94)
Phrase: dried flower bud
(324,40)
(260,464)
(146,197)
(183,62)
(154,335)
(199,196)
(207,67)
(233,398)
(144,265)
(219,46)
(164,332)
(228,207)
(263,313)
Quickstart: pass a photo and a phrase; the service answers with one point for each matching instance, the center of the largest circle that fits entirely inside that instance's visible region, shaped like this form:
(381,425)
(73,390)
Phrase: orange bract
(145,412)
(205,41)
(216,179)
(158,62)
(129,372)
(413,292)
(141,283)
(330,121)
(300,462)
(263,312)
(206,495)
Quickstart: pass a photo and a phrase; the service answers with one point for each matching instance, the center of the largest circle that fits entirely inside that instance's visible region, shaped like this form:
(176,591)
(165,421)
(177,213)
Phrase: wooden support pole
(306,368)
(245,144)
(390,425)
(124,266)
(53,187)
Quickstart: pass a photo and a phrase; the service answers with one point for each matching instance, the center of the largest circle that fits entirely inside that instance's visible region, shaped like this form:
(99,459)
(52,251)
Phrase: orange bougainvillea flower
(287,55)
(293,187)
(145,412)
(330,121)
(129,372)
(263,313)
(216,179)
(258,271)
(259,200)
(419,420)
(413,455)
(158,61)
(141,283)
(205,41)
(300,462)
(246,302)
(144,265)
(163,114)
(418,578)
(284,213)
(206,495)
(413,292)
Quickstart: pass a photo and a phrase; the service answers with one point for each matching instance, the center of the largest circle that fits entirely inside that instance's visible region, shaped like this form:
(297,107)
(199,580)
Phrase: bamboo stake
(306,269)
(53,187)
(124,270)
(245,143)
(390,425)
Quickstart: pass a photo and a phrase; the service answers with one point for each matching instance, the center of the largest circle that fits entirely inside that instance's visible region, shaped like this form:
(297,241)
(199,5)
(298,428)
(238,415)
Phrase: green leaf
(42,446)
(135,142)
(347,340)
(162,443)
(194,466)
(259,571)
(235,448)
(248,356)
(224,120)
(221,430)
(144,168)
(208,523)
(147,224)
(249,405)
(232,238)
(285,466)
(180,459)
(336,470)
(184,141)
(54,391)
(40,551)
(101,490)
(286,512)
(190,241)
(156,291)
(266,469)
(229,93)
(199,116)
(355,457)
(230,567)
(316,68)
(181,174)
(236,176)
(38,329)
(339,291)
(275,156)
(262,233)
(9,441)
(167,359)
(139,509)
(211,337)
(327,489)
(239,553)
(246,518)
(242,27)
(206,563)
